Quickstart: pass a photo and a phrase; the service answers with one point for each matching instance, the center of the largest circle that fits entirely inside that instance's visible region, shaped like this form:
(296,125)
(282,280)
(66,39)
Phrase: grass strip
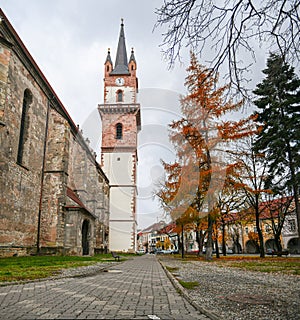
(37,267)
(189,284)
(172,269)
(281,265)
(268,266)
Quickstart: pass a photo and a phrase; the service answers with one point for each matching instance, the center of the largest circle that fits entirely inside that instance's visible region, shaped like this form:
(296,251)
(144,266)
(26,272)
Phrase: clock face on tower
(119,81)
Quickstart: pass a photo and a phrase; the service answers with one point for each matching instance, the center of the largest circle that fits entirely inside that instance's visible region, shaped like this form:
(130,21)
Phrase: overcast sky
(69,40)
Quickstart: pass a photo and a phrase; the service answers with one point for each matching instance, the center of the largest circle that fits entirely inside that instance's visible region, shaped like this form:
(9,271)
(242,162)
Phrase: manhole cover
(250,299)
(113,271)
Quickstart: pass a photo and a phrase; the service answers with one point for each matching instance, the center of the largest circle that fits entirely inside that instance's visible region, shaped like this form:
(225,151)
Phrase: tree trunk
(217,249)
(243,239)
(209,244)
(200,241)
(260,235)
(297,207)
(278,242)
(216,243)
(182,238)
(179,243)
(223,239)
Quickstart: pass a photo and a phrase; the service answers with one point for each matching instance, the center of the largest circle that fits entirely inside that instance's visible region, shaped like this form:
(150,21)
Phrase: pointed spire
(132,57)
(121,65)
(108,57)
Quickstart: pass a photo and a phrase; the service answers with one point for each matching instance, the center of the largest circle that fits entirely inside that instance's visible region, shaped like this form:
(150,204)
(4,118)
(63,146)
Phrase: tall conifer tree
(278,113)
(201,139)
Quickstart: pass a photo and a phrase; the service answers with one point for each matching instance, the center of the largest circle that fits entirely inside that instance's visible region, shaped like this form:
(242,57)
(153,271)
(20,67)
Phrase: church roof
(78,203)
(121,65)
(154,227)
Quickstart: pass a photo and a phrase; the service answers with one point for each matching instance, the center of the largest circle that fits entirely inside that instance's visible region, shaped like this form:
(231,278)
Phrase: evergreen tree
(278,113)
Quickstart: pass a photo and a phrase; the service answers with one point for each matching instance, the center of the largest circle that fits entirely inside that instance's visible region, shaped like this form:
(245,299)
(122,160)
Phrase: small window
(120,96)
(107,68)
(119,131)
(292,225)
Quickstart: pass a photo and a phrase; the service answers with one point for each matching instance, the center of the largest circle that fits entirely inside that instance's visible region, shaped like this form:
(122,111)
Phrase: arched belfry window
(119,131)
(119,96)
(24,127)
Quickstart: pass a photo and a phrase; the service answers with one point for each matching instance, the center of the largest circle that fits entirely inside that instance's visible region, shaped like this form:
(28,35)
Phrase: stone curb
(186,295)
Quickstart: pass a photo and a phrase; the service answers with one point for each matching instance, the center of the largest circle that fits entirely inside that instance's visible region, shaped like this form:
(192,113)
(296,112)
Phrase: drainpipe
(42,179)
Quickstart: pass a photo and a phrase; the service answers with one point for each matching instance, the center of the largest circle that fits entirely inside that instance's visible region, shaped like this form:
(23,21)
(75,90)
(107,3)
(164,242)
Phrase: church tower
(121,122)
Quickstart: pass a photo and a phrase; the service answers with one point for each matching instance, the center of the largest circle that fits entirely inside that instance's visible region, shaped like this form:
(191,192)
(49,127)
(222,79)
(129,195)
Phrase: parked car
(160,251)
(167,251)
(270,251)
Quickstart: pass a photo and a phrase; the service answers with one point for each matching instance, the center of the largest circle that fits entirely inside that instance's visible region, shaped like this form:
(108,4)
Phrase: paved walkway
(135,289)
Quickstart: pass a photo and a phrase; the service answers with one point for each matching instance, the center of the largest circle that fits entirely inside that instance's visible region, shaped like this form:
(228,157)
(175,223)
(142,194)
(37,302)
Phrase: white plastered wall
(119,168)
(112,94)
(120,236)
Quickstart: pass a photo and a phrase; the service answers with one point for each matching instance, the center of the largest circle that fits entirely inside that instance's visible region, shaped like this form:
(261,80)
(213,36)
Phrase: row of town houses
(239,236)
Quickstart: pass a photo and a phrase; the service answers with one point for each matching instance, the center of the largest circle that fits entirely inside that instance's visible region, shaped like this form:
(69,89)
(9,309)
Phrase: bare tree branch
(230,30)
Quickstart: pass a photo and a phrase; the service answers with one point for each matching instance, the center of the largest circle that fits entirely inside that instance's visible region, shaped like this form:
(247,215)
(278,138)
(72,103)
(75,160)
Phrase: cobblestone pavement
(237,294)
(135,289)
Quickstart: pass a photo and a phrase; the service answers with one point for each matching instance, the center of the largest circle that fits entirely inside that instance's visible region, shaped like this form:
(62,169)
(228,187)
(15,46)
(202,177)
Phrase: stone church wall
(54,195)
(20,182)
(89,182)
(55,181)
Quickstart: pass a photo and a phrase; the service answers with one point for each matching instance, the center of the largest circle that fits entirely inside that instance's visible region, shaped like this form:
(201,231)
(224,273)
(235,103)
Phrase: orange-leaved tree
(200,139)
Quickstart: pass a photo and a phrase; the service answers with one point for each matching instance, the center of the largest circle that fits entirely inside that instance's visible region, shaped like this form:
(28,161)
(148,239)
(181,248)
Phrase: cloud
(69,41)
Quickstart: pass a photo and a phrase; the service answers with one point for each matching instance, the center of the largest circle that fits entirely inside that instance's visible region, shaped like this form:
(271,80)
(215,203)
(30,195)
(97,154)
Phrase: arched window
(24,128)
(119,131)
(120,96)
